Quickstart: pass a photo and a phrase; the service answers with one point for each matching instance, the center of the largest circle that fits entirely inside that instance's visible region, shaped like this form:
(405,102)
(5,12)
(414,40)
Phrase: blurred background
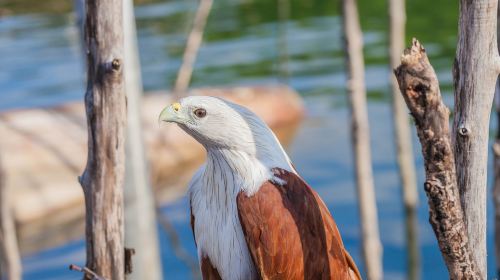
(246,43)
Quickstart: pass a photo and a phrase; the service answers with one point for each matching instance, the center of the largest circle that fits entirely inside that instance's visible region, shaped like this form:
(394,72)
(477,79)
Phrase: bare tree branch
(420,88)
(89,274)
(193,43)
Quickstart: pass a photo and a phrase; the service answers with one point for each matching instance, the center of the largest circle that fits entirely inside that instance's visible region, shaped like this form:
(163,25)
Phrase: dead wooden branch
(475,72)
(403,139)
(102,180)
(10,260)
(372,249)
(193,43)
(88,274)
(420,88)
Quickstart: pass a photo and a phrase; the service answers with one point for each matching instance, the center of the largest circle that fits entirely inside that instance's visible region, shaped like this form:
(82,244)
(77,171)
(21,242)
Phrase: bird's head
(214,122)
(227,129)
(220,124)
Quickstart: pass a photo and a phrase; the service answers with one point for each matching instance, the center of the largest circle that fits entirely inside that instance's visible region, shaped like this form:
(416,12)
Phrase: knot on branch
(116,64)
(463,130)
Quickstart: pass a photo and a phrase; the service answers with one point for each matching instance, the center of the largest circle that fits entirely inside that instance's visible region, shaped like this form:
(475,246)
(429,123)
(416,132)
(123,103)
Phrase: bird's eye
(200,112)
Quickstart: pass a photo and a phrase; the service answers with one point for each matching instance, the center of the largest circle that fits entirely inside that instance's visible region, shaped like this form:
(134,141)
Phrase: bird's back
(291,234)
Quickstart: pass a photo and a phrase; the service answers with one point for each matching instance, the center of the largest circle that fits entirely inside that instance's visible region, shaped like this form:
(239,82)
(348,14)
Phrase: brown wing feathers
(208,271)
(291,234)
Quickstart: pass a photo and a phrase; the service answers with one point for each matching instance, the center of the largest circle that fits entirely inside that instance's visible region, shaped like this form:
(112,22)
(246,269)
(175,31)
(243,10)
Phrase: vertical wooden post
(372,249)
(102,180)
(475,73)
(193,43)
(140,215)
(10,260)
(403,139)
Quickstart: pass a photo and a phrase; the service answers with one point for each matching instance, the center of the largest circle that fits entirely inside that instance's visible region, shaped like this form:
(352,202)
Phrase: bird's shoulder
(290,232)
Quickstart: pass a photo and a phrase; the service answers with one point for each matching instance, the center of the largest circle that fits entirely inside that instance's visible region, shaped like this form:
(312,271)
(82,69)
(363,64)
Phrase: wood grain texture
(105,105)
(360,135)
(475,73)
(420,88)
(290,233)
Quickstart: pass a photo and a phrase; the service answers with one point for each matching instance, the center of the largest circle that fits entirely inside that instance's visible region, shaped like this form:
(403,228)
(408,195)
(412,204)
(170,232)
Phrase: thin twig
(85,270)
(193,43)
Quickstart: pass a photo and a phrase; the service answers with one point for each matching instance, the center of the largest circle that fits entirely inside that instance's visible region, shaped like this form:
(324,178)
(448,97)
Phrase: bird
(252,215)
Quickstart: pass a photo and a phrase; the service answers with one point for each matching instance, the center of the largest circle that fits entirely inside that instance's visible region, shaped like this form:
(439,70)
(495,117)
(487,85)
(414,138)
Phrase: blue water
(41,66)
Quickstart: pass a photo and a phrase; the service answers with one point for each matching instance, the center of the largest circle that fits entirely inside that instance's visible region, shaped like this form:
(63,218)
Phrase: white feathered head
(220,124)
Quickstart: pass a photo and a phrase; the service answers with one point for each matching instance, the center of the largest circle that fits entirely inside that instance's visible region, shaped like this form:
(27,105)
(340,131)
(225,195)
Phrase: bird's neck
(232,171)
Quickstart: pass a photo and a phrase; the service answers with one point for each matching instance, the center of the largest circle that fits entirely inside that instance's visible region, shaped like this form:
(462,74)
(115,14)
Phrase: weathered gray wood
(475,73)
(372,249)
(105,104)
(403,139)
(10,260)
(140,215)
(193,43)
(420,88)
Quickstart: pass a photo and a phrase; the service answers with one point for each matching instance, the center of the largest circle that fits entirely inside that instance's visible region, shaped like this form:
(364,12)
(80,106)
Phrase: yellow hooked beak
(171,113)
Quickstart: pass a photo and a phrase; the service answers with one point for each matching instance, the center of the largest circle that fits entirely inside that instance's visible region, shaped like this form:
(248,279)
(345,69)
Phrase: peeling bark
(102,180)
(360,133)
(420,88)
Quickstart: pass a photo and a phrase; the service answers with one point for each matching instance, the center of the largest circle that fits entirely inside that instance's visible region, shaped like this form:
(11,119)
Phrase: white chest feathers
(213,193)
(218,232)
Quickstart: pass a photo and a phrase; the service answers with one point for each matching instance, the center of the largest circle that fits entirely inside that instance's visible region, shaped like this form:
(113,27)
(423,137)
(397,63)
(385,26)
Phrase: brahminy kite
(252,215)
